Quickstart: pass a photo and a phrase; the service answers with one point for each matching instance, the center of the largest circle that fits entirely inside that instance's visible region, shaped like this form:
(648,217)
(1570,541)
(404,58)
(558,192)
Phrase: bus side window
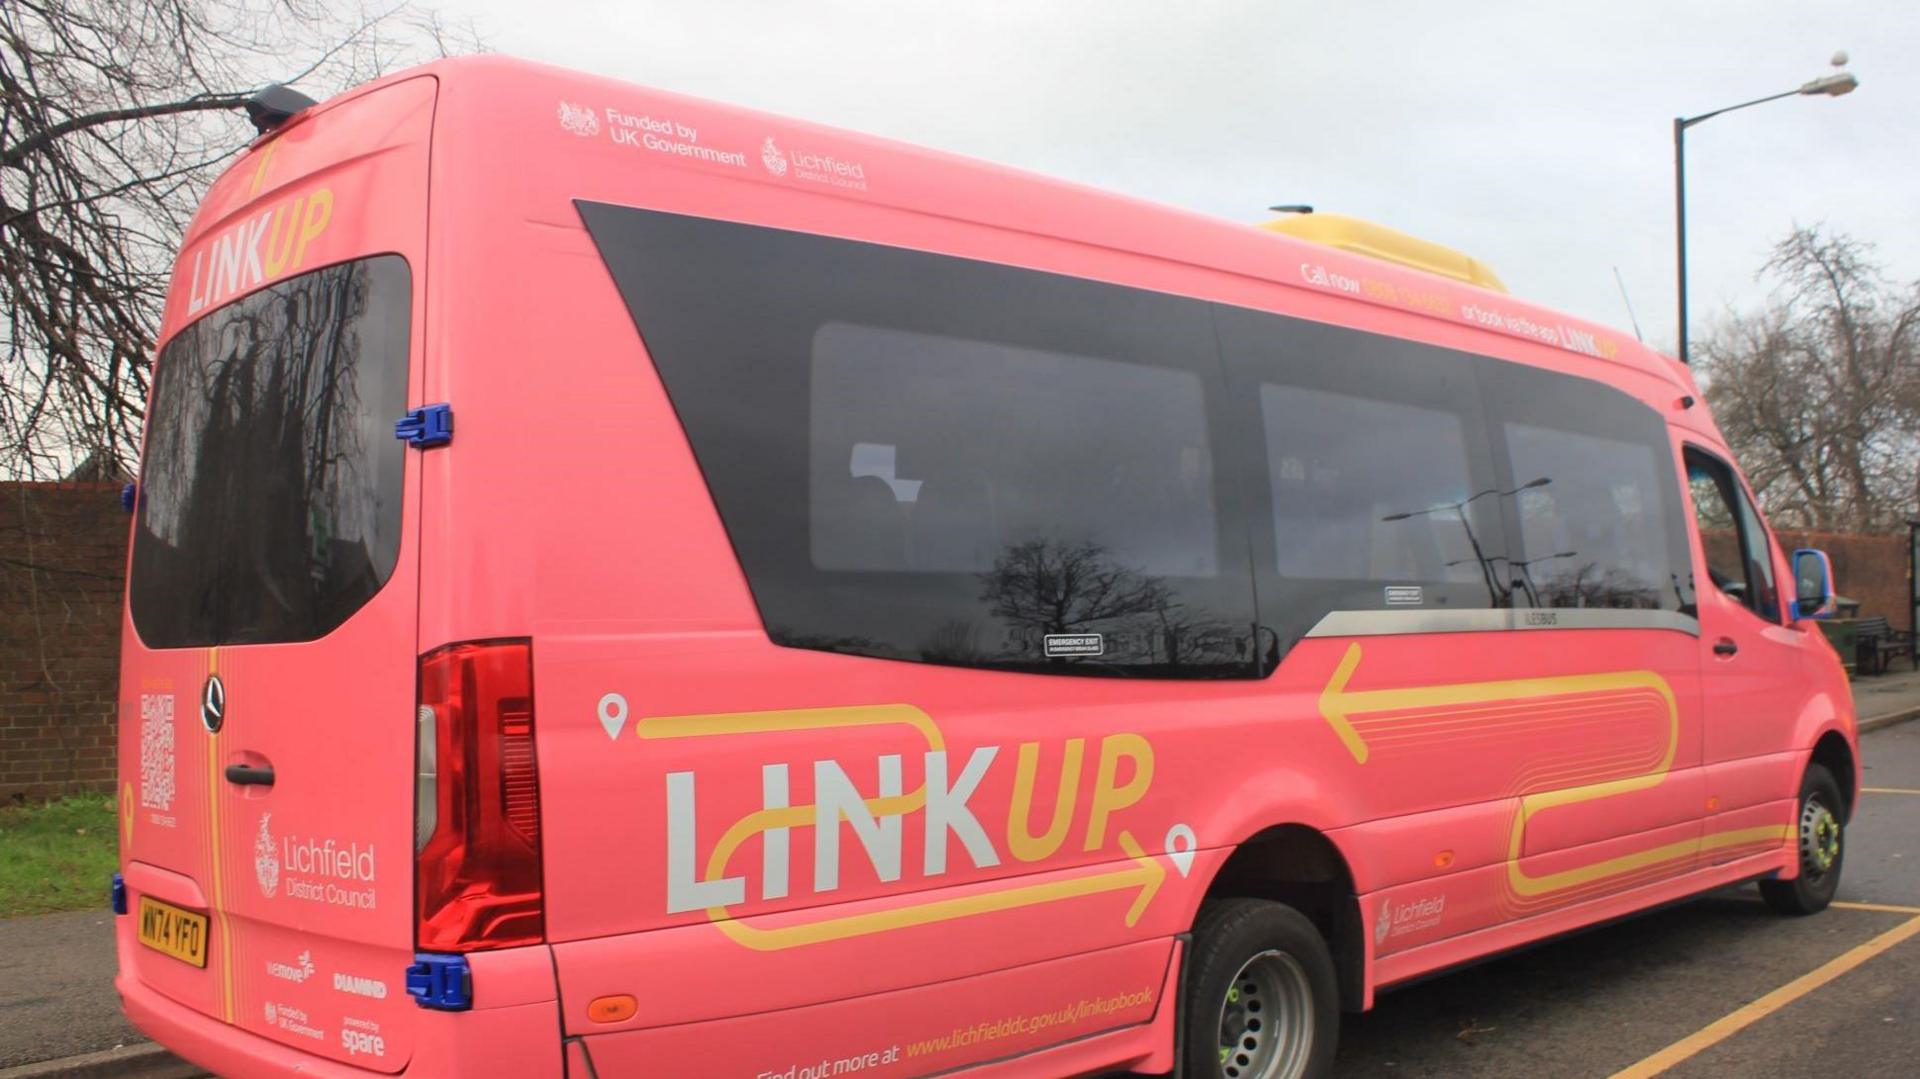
(1593,500)
(1739,558)
(1370,454)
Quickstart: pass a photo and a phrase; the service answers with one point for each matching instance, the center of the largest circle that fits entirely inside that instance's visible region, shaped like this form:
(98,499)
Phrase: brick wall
(62,560)
(1868,568)
(1871,569)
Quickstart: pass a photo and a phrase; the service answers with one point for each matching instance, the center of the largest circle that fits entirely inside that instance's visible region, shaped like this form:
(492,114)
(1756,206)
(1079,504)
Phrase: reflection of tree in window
(1043,587)
(272,480)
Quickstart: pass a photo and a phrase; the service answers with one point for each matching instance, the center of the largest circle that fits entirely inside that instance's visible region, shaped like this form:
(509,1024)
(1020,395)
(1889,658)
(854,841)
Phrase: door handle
(250,775)
(1722,647)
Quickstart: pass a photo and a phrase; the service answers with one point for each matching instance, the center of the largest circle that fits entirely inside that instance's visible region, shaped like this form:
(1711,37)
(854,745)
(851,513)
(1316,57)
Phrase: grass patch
(56,855)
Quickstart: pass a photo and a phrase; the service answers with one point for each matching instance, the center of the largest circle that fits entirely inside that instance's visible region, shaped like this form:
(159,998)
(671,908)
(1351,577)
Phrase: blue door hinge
(428,425)
(441,982)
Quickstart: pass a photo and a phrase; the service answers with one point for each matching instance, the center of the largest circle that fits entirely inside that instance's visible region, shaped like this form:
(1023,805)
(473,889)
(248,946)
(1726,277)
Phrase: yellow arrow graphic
(1145,874)
(1338,704)
(126,816)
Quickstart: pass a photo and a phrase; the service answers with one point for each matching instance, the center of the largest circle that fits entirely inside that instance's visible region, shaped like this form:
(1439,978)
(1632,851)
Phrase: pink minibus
(627,586)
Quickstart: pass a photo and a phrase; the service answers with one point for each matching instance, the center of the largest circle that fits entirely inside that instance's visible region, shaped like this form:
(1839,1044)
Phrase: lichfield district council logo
(772,158)
(266,859)
(579,119)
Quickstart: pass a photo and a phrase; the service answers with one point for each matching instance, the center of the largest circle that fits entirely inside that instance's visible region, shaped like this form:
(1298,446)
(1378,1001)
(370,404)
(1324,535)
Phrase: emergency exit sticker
(1075,644)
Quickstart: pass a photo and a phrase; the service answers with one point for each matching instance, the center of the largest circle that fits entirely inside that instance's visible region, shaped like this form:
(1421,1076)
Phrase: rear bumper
(516,1039)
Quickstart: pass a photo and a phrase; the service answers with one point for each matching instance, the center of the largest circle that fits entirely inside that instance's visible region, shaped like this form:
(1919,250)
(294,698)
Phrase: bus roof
(519,98)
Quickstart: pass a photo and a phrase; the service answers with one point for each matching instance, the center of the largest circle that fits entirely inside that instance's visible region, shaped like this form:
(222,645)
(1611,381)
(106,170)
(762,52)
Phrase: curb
(1872,724)
(144,1060)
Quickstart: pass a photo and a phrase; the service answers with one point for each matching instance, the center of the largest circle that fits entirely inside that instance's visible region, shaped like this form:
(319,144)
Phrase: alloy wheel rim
(1819,839)
(1266,1019)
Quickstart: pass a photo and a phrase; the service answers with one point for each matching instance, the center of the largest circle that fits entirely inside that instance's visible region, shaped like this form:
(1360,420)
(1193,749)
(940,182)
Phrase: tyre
(1821,840)
(1261,998)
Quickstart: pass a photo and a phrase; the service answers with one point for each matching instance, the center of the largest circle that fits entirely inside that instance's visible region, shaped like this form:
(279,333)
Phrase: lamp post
(1459,509)
(1834,85)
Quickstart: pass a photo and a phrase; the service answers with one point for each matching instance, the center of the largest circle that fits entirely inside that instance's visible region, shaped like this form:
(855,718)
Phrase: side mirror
(1812,584)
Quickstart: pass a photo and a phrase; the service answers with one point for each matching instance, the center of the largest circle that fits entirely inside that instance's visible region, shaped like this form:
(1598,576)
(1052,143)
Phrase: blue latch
(428,425)
(119,893)
(441,982)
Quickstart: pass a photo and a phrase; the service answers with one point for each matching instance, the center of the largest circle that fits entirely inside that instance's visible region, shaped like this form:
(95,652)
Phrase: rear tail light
(477,810)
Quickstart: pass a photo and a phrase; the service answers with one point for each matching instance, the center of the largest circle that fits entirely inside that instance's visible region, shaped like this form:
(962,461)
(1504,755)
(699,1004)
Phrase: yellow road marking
(1887,790)
(1742,1018)
(1885,908)
(1146,874)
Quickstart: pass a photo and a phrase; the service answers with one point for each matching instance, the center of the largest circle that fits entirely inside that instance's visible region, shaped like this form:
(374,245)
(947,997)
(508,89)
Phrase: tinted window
(1739,555)
(1368,490)
(939,454)
(270,496)
(929,458)
(1596,506)
(1372,468)
(1759,557)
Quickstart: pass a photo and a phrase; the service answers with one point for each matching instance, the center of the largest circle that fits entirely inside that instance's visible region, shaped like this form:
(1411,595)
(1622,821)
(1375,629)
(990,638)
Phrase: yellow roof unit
(1387,245)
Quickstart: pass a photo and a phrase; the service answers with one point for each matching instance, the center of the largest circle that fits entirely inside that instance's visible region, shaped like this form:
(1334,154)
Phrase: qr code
(156,751)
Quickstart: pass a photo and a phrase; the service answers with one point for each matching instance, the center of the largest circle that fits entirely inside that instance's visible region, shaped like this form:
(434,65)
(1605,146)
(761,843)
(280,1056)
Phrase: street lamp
(1834,85)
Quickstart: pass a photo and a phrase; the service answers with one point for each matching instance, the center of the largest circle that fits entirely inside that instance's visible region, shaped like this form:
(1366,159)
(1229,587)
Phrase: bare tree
(114,117)
(1042,586)
(1819,392)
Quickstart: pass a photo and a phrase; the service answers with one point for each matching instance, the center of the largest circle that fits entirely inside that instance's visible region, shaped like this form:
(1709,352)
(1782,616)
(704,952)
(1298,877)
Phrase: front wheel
(1261,997)
(1821,838)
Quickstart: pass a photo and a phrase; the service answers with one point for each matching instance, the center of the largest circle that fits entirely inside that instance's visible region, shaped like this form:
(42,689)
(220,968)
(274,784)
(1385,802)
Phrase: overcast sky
(1535,138)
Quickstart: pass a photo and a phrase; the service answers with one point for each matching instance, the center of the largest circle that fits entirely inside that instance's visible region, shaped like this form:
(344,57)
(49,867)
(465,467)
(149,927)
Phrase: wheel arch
(1833,752)
(1301,866)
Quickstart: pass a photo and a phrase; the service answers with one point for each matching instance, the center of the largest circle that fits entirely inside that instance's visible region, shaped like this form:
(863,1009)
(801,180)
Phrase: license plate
(178,933)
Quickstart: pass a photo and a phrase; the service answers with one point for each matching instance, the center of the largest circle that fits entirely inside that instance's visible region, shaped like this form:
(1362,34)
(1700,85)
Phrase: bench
(1876,642)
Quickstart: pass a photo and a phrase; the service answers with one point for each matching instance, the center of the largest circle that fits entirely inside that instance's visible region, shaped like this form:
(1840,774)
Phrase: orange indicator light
(612,1009)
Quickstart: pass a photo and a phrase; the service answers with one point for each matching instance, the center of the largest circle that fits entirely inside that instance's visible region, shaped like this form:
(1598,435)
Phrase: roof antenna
(1631,317)
(275,105)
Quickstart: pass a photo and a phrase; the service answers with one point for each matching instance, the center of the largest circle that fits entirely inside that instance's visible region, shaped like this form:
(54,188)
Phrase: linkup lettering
(943,809)
(258,248)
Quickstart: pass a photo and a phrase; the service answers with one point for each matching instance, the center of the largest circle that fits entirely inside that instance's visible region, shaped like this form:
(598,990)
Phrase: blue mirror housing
(1812,584)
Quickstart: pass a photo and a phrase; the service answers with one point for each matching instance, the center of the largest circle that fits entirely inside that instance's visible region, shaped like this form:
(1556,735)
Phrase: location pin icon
(1182,856)
(613,714)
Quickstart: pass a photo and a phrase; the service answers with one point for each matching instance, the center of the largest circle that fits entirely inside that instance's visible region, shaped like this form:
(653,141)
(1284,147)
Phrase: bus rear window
(270,494)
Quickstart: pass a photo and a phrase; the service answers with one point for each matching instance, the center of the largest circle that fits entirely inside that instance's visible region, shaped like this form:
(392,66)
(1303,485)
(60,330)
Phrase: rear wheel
(1261,997)
(1821,841)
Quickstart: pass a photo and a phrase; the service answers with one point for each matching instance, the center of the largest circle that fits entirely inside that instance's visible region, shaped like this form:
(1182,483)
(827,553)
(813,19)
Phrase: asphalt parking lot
(1718,987)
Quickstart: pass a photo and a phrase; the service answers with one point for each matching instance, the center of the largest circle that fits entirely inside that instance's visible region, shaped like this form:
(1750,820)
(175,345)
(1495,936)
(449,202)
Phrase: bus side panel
(913,1032)
(682,754)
